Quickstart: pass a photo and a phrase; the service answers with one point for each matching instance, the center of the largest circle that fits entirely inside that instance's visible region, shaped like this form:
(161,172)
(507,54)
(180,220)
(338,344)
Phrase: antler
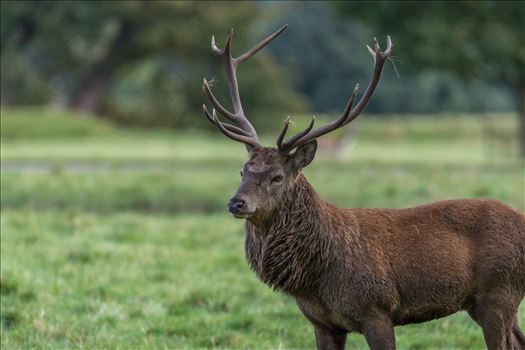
(349,113)
(244,132)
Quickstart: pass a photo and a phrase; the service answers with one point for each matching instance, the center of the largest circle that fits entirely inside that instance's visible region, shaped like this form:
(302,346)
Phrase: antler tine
(214,47)
(230,127)
(342,120)
(248,140)
(349,105)
(380,58)
(349,113)
(228,45)
(288,145)
(216,102)
(260,45)
(377,50)
(283,132)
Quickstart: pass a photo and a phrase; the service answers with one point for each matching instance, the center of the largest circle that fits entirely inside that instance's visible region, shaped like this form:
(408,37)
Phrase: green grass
(63,137)
(190,186)
(30,123)
(120,238)
(128,280)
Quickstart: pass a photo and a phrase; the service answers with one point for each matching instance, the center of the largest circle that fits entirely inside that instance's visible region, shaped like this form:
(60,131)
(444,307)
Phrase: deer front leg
(329,339)
(379,333)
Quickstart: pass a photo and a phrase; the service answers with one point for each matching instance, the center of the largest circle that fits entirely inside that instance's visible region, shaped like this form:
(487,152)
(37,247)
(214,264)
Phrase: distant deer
(368,270)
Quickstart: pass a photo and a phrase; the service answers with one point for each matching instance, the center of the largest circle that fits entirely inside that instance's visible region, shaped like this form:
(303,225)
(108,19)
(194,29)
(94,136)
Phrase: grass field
(120,238)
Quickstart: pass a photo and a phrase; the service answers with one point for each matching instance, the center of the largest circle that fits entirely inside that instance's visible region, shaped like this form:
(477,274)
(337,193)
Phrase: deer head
(272,172)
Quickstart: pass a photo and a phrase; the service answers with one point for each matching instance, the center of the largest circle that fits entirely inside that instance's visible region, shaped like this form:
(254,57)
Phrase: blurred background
(114,186)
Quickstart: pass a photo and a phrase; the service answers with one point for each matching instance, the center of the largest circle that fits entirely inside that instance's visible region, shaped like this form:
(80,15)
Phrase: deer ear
(251,149)
(304,155)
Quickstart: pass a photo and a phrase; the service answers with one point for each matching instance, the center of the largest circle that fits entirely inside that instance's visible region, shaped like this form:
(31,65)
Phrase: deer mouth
(242,215)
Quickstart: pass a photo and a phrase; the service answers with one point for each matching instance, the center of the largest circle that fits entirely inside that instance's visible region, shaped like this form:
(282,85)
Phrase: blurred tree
(472,39)
(327,54)
(136,61)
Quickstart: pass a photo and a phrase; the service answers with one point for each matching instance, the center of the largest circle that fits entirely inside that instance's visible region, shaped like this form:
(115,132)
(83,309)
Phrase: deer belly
(427,299)
(320,314)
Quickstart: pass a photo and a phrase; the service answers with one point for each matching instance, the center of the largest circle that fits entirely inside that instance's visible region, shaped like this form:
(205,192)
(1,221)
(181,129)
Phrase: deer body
(352,268)
(368,270)
(345,266)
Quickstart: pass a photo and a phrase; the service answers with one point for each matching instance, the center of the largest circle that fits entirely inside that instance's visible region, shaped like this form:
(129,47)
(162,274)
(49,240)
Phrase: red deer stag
(368,270)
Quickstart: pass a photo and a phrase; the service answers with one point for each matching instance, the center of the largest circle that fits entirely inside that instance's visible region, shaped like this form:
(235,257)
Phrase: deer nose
(235,205)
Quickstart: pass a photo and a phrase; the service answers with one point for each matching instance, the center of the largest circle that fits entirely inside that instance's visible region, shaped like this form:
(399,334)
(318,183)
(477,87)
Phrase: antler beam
(349,113)
(244,132)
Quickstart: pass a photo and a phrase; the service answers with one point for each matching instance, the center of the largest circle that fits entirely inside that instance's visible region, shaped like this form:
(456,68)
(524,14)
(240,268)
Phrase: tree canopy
(135,61)
(471,39)
(142,62)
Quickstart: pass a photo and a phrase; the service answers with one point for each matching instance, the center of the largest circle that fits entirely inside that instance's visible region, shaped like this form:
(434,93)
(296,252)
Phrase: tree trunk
(521,111)
(3,95)
(89,94)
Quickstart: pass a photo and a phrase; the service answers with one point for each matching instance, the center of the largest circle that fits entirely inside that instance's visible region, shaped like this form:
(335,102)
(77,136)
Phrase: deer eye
(242,174)
(277,178)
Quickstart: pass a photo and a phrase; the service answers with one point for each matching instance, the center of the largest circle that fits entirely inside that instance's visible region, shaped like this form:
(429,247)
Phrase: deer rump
(368,270)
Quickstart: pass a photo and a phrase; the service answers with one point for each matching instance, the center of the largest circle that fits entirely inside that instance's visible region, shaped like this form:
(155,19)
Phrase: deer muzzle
(238,207)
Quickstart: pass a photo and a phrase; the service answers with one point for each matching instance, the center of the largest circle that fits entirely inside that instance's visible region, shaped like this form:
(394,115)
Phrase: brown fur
(368,270)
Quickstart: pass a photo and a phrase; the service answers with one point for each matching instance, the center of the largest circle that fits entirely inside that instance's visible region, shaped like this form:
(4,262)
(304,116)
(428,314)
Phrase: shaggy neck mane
(289,252)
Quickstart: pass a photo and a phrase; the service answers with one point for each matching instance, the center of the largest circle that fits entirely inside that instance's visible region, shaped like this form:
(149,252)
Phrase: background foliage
(140,62)
(136,62)
(474,40)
